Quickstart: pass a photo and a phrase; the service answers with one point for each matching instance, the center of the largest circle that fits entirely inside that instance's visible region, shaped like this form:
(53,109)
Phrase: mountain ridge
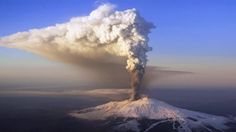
(152,109)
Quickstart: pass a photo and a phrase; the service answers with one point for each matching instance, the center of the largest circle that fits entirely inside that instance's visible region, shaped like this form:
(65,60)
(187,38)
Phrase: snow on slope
(153,109)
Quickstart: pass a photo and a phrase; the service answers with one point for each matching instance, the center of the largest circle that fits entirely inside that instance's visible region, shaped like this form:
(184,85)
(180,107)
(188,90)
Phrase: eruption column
(101,36)
(136,79)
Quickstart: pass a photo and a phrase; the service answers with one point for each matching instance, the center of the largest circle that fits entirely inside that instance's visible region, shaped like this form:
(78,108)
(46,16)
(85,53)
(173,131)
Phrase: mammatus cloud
(102,37)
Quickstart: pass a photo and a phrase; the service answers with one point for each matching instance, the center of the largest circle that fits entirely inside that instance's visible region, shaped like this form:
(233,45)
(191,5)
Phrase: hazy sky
(195,36)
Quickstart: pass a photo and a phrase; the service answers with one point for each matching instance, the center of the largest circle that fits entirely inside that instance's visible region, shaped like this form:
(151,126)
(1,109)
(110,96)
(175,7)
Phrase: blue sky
(184,27)
(187,31)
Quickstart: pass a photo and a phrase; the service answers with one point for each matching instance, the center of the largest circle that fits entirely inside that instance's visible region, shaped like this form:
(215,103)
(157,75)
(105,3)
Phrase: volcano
(147,115)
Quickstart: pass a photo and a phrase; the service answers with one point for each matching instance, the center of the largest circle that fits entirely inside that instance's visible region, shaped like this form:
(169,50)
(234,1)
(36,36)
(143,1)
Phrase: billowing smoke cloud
(103,38)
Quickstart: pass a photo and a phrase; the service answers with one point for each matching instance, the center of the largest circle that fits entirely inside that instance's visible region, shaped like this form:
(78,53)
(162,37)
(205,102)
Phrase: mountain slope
(152,109)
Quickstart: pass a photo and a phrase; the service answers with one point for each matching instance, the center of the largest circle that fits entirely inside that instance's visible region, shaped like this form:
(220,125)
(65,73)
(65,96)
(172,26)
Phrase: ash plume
(104,36)
(136,79)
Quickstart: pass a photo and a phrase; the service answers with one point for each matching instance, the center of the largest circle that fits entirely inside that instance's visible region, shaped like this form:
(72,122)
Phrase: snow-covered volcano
(133,113)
